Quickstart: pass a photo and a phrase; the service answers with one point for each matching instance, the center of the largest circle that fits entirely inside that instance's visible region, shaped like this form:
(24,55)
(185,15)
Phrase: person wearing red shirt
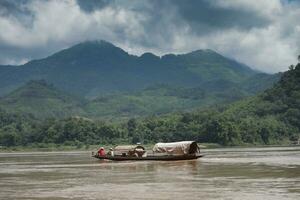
(101,152)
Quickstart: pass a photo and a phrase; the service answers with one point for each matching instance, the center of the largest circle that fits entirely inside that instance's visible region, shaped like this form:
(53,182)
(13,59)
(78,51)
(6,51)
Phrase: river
(231,173)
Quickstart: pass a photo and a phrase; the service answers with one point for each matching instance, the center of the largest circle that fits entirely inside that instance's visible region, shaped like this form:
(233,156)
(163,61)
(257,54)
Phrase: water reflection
(239,173)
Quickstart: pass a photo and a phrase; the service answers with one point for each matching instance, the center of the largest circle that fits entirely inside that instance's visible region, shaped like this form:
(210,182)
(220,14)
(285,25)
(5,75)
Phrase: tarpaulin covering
(177,148)
(128,149)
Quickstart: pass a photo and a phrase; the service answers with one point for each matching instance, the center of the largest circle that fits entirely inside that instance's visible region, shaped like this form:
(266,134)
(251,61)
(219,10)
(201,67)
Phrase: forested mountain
(95,68)
(160,99)
(113,84)
(43,100)
(268,118)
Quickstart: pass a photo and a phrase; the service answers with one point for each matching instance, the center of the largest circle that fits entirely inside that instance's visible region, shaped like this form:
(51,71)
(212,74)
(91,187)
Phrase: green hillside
(44,101)
(159,99)
(41,100)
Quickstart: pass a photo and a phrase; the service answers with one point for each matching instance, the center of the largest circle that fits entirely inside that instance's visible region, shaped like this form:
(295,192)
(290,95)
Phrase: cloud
(265,36)
(59,24)
(266,8)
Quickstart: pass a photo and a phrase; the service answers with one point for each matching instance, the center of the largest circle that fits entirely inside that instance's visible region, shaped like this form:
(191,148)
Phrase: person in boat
(101,152)
(111,152)
(139,152)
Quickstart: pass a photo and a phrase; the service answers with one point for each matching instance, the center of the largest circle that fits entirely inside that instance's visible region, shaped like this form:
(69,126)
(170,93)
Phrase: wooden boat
(150,157)
(184,150)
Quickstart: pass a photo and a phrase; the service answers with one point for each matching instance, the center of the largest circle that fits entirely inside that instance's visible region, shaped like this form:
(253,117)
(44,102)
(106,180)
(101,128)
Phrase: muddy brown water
(231,173)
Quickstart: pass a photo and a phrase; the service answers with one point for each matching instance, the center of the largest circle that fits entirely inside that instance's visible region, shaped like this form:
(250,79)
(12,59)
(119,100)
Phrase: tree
(299,58)
(131,126)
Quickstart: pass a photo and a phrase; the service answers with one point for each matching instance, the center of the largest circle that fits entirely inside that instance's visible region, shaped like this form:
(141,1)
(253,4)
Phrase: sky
(264,34)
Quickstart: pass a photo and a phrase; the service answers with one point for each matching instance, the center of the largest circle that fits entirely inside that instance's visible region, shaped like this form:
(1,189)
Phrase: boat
(184,150)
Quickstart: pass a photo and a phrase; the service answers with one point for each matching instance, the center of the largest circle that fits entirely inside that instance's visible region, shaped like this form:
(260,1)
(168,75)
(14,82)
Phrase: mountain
(113,84)
(41,100)
(94,68)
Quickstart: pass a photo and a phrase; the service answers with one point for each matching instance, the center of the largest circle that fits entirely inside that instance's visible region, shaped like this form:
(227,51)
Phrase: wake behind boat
(184,150)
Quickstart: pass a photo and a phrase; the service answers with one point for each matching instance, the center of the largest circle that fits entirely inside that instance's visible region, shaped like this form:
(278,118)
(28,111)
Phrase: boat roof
(176,148)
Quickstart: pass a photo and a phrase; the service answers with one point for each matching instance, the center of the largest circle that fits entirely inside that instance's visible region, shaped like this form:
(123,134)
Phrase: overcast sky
(264,34)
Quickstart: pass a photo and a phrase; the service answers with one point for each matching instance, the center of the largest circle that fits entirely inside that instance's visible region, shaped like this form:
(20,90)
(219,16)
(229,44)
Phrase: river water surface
(232,173)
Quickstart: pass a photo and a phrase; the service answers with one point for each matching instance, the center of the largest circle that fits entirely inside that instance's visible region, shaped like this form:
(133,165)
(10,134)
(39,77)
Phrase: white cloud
(269,48)
(64,22)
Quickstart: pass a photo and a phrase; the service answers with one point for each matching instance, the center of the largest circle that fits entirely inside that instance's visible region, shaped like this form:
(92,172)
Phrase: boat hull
(157,158)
